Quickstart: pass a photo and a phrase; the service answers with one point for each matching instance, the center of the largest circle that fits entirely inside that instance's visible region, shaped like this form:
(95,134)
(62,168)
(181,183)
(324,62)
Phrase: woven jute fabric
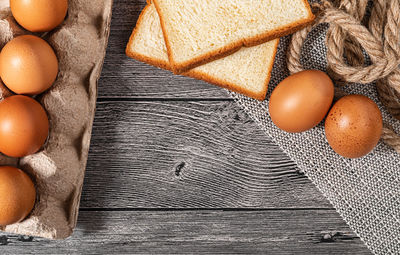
(350,31)
(365,191)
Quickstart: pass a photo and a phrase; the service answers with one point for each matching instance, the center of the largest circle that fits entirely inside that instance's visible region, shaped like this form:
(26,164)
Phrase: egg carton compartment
(58,168)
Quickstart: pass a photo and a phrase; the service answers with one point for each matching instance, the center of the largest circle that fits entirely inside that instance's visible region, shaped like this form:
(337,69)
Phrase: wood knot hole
(328,238)
(178,168)
(25,239)
(3,240)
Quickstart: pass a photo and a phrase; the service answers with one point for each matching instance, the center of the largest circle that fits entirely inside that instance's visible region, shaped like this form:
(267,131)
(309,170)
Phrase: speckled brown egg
(17,195)
(353,126)
(301,101)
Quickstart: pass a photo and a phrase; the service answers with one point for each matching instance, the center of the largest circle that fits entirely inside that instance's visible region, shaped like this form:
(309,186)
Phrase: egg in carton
(58,168)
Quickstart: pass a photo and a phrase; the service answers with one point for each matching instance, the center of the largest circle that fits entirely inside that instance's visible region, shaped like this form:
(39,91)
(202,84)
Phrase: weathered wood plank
(188,155)
(123,77)
(208,232)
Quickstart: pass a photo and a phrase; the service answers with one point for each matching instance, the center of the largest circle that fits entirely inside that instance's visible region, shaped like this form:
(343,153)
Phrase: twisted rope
(346,39)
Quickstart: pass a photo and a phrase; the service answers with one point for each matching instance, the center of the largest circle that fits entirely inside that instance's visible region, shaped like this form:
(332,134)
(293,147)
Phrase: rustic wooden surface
(177,167)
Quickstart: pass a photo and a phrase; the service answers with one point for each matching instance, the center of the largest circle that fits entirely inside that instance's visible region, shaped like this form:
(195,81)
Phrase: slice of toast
(247,71)
(200,31)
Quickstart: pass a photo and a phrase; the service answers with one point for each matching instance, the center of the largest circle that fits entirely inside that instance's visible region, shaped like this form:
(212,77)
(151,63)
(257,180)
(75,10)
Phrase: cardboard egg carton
(58,169)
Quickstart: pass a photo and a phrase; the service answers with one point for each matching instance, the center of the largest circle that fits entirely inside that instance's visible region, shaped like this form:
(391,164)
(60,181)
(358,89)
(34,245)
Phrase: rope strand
(345,40)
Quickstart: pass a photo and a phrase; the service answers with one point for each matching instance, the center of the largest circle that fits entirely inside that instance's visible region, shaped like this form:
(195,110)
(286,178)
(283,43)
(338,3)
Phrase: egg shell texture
(24,126)
(17,195)
(39,15)
(28,65)
(354,126)
(301,101)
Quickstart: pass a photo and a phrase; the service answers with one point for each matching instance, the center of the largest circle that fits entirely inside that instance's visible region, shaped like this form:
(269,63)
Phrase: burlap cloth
(365,191)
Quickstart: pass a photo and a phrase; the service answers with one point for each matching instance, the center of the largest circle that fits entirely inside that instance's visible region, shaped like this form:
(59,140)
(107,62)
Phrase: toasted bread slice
(198,32)
(247,71)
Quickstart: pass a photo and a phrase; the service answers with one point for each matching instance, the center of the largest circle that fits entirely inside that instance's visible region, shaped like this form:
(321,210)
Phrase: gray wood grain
(123,77)
(188,155)
(162,143)
(207,232)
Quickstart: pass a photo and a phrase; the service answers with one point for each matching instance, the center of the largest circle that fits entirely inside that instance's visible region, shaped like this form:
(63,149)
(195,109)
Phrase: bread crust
(195,73)
(207,78)
(234,87)
(138,56)
(179,68)
(148,60)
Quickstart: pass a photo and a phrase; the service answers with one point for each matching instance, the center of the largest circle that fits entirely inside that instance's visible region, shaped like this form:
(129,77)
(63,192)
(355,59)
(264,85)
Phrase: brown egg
(39,15)
(353,126)
(28,65)
(24,126)
(301,101)
(17,195)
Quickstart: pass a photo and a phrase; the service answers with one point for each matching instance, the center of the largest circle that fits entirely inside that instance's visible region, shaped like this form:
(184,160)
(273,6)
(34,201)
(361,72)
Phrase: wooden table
(177,167)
